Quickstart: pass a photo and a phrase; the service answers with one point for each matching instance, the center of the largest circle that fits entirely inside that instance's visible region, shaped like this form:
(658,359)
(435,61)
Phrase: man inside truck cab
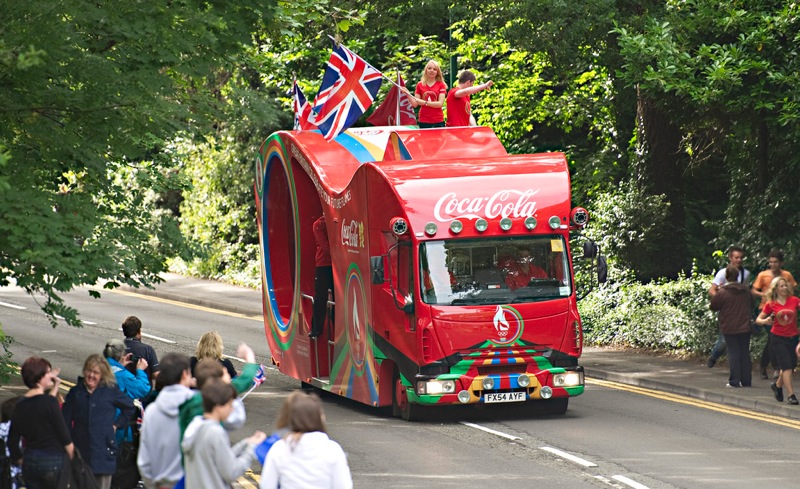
(522,270)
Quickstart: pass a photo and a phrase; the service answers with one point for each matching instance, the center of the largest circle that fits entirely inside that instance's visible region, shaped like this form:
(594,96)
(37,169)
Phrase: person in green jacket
(211,369)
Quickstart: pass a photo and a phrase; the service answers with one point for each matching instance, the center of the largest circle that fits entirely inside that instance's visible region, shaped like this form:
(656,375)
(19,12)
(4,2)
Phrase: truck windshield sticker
(556,246)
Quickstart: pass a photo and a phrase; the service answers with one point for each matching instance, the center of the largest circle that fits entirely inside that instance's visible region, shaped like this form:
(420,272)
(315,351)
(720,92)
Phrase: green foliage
(628,226)
(217,211)
(6,364)
(85,120)
(727,76)
(668,316)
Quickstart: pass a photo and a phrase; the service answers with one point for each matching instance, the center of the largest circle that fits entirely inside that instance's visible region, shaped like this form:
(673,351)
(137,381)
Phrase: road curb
(211,304)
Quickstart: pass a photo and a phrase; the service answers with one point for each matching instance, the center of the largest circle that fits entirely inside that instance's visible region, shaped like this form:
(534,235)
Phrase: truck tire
(401,407)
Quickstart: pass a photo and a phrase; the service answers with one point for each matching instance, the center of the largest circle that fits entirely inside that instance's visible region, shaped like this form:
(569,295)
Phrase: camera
(133,363)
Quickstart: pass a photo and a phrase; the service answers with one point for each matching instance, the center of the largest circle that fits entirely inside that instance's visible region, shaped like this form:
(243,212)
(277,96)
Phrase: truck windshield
(494,270)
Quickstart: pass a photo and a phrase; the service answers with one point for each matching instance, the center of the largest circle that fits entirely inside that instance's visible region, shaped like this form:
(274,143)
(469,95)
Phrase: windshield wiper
(479,300)
(537,297)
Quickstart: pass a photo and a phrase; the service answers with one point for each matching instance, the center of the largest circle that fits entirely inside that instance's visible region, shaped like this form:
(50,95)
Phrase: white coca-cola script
(353,234)
(504,203)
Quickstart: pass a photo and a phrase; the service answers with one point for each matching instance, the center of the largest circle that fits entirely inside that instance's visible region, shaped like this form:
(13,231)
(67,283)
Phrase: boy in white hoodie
(210,461)
(159,457)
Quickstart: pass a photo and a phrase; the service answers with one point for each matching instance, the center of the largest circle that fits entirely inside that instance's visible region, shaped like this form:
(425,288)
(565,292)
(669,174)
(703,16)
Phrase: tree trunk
(659,166)
(763,153)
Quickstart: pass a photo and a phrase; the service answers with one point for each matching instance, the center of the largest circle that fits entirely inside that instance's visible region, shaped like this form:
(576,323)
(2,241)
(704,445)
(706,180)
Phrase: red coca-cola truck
(452,273)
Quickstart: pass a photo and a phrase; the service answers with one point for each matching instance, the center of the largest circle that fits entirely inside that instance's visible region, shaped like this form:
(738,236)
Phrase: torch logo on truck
(507,331)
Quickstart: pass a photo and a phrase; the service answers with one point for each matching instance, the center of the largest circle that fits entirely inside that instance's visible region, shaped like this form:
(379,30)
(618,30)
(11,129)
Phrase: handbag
(126,475)
(76,474)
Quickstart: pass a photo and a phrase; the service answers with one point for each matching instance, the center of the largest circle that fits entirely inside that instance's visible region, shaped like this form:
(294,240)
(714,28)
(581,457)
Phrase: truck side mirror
(590,249)
(376,269)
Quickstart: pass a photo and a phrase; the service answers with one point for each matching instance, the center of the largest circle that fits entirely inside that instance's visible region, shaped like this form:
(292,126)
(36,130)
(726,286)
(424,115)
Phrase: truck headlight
(433,387)
(568,379)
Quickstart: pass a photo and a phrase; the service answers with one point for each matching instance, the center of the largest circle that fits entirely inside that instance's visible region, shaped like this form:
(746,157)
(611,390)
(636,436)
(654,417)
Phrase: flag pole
(397,104)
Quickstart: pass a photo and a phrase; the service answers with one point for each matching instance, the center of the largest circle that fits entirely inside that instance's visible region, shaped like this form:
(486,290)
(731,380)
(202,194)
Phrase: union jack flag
(259,377)
(302,110)
(348,89)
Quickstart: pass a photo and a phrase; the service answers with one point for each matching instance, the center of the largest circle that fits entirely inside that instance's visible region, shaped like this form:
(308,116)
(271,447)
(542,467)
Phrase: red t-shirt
(458,109)
(785,323)
(431,115)
(323,255)
(519,278)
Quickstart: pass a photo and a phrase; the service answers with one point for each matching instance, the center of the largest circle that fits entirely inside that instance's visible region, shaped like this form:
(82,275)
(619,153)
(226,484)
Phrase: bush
(670,316)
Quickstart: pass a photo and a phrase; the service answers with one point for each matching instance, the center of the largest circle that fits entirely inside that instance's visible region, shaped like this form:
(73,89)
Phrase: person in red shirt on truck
(429,96)
(459,110)
(323,280)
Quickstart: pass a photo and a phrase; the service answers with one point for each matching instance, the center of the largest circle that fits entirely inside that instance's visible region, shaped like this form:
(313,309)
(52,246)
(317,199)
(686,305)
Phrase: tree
(725,74)
(90,93)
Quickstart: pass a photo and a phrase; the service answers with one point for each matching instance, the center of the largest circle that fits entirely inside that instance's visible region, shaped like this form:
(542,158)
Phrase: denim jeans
(41,469)
(719,348)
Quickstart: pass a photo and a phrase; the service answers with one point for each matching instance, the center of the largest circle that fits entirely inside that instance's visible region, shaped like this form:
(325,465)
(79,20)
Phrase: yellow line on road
(184,304)
(734,411)
(247,480)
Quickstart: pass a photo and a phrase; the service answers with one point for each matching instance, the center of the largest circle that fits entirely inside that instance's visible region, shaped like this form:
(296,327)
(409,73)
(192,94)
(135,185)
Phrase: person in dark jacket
(90,411)
(735,304)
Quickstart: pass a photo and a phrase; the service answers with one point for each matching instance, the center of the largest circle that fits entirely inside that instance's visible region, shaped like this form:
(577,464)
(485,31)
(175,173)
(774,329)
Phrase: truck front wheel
(401,406)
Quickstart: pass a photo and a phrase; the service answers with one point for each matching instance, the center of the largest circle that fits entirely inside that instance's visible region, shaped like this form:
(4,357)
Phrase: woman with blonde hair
(780,312)
(305,457)
(210,346)
(429,96)
(90,411)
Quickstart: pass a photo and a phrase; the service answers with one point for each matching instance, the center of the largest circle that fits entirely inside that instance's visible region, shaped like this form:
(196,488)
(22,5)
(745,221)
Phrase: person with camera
(135,385)
(132,329)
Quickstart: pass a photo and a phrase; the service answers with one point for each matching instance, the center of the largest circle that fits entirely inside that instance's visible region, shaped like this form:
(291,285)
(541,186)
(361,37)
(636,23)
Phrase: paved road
(621,434)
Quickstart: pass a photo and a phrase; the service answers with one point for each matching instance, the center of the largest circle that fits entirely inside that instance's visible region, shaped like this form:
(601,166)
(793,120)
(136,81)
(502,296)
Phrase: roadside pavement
(680,376)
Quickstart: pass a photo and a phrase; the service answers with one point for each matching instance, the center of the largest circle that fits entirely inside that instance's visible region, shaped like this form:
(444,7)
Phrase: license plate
(504,397)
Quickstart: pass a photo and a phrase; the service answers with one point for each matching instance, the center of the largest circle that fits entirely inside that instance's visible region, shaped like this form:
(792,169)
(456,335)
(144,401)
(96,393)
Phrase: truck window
(401,269)
(494,270)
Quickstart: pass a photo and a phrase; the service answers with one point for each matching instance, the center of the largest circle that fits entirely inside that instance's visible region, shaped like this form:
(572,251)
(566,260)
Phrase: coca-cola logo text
(353,234)
(504,203)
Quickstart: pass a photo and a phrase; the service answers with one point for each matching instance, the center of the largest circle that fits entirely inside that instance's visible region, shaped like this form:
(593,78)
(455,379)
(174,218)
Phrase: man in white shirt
(735,258)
